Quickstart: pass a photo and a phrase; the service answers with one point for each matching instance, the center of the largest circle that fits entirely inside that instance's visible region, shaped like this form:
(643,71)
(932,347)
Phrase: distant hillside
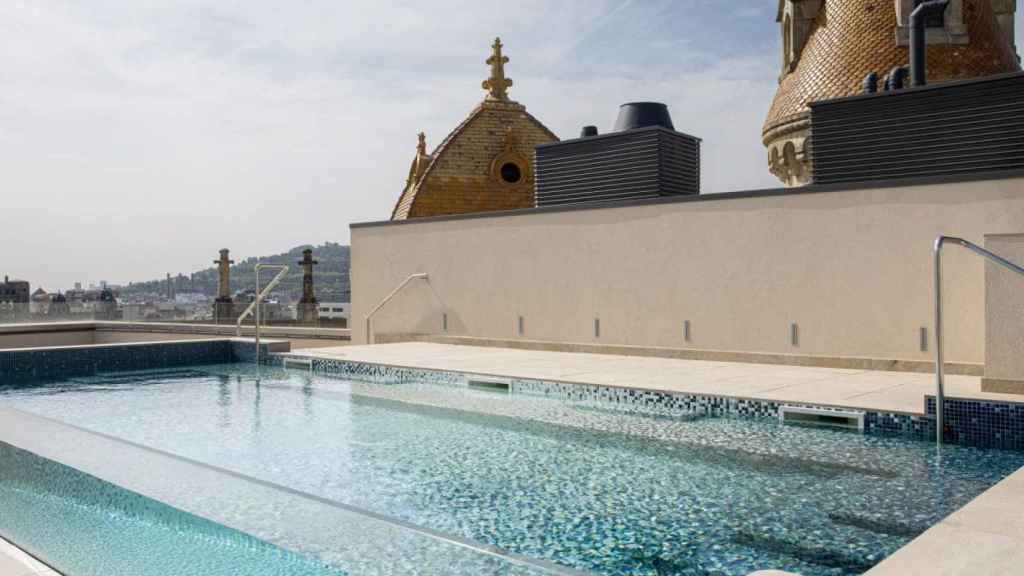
(330,276)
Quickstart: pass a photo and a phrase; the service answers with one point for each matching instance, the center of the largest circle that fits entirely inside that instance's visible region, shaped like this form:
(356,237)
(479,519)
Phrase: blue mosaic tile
(59,363)
(982,423)
(245,351)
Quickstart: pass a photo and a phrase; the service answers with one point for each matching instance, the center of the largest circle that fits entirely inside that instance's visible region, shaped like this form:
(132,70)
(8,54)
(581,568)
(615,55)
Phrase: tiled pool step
(988,421)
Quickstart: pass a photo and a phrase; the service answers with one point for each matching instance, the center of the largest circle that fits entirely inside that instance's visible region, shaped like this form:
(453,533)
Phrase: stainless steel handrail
(940,393)
(259,298)
(369,317)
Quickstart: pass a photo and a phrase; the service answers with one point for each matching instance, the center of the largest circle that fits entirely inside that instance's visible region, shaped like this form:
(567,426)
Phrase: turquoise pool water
(594,487)
(124,534)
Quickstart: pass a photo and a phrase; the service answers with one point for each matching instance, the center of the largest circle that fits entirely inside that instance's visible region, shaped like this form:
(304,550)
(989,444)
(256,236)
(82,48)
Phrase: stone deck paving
(847,388)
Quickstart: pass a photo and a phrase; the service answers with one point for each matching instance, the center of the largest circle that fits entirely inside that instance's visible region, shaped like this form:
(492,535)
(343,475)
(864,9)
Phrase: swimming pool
(599,487)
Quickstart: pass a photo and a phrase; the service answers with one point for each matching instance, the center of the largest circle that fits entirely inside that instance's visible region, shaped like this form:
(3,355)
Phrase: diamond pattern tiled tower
(829,46)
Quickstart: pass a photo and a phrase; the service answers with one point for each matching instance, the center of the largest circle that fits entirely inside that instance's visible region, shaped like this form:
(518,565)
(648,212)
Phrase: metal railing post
(940,392)
(255,306)
(256,329)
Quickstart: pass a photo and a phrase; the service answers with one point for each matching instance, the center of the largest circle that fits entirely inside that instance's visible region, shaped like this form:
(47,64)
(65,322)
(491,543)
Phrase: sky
(139,137)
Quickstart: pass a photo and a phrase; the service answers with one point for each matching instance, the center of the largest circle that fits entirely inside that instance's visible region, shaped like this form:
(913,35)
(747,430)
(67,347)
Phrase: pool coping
(272,343)
(985,536)
(31,564)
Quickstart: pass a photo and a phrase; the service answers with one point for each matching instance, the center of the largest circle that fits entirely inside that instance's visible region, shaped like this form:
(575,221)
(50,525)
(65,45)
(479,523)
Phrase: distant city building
(334,311)
(134,312)
(58,308)
(830,46)
(14,299)
(40,302)
(78,285)
(106,306)
(190,298)
(485,164)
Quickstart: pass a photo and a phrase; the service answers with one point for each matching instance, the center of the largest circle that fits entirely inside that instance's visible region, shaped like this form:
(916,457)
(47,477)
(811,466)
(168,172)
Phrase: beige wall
(852,268)
(1004,317)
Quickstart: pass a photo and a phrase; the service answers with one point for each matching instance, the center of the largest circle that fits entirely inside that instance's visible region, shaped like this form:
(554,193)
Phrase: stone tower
(485,164)
(308,308)
(224,306)
(830,46)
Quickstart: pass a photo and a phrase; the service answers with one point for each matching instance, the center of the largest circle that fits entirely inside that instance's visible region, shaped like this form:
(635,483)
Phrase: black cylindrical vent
(643,114)
(588,131)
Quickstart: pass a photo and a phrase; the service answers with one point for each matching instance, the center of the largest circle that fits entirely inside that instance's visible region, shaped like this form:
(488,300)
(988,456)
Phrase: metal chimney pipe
(918,39)
(870,85)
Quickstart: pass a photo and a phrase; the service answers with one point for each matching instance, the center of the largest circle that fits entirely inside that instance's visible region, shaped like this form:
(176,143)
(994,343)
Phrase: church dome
(829,46)
(484,164)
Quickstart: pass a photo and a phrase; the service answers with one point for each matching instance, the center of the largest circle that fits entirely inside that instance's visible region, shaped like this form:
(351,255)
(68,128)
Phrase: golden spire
(421,146)
(497,85)
(419,163)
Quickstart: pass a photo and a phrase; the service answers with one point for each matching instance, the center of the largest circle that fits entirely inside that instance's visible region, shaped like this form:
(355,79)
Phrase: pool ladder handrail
(369,317)
(940,393)
(255,305)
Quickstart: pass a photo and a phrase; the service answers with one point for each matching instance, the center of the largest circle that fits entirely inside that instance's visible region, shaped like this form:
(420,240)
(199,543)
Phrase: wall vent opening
(809,416)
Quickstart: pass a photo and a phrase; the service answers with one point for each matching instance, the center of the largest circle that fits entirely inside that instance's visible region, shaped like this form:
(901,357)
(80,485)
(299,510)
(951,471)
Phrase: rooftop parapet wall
(850,267)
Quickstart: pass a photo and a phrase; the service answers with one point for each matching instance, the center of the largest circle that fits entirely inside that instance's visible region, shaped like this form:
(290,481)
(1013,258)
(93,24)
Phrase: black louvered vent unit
(635,163)
(962,127)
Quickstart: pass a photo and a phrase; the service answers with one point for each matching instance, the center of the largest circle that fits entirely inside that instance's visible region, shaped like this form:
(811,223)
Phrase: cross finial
(497,85)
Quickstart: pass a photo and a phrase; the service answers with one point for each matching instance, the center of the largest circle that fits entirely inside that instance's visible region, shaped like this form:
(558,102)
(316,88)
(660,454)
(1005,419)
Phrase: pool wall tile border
(982,422)
(978,423)
(30,365)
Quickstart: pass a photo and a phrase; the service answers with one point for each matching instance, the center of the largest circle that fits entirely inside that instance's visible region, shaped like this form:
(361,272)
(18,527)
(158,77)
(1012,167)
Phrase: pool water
(600,488)
(115,534)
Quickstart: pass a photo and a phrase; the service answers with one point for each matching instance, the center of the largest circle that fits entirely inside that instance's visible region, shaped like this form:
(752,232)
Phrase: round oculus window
(511,172)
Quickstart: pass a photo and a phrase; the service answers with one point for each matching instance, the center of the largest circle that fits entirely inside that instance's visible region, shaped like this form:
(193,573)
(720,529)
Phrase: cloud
(140,137)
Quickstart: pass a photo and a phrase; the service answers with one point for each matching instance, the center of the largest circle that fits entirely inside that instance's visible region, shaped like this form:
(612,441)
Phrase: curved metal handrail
(940,393)
(369,317)
(255,305)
